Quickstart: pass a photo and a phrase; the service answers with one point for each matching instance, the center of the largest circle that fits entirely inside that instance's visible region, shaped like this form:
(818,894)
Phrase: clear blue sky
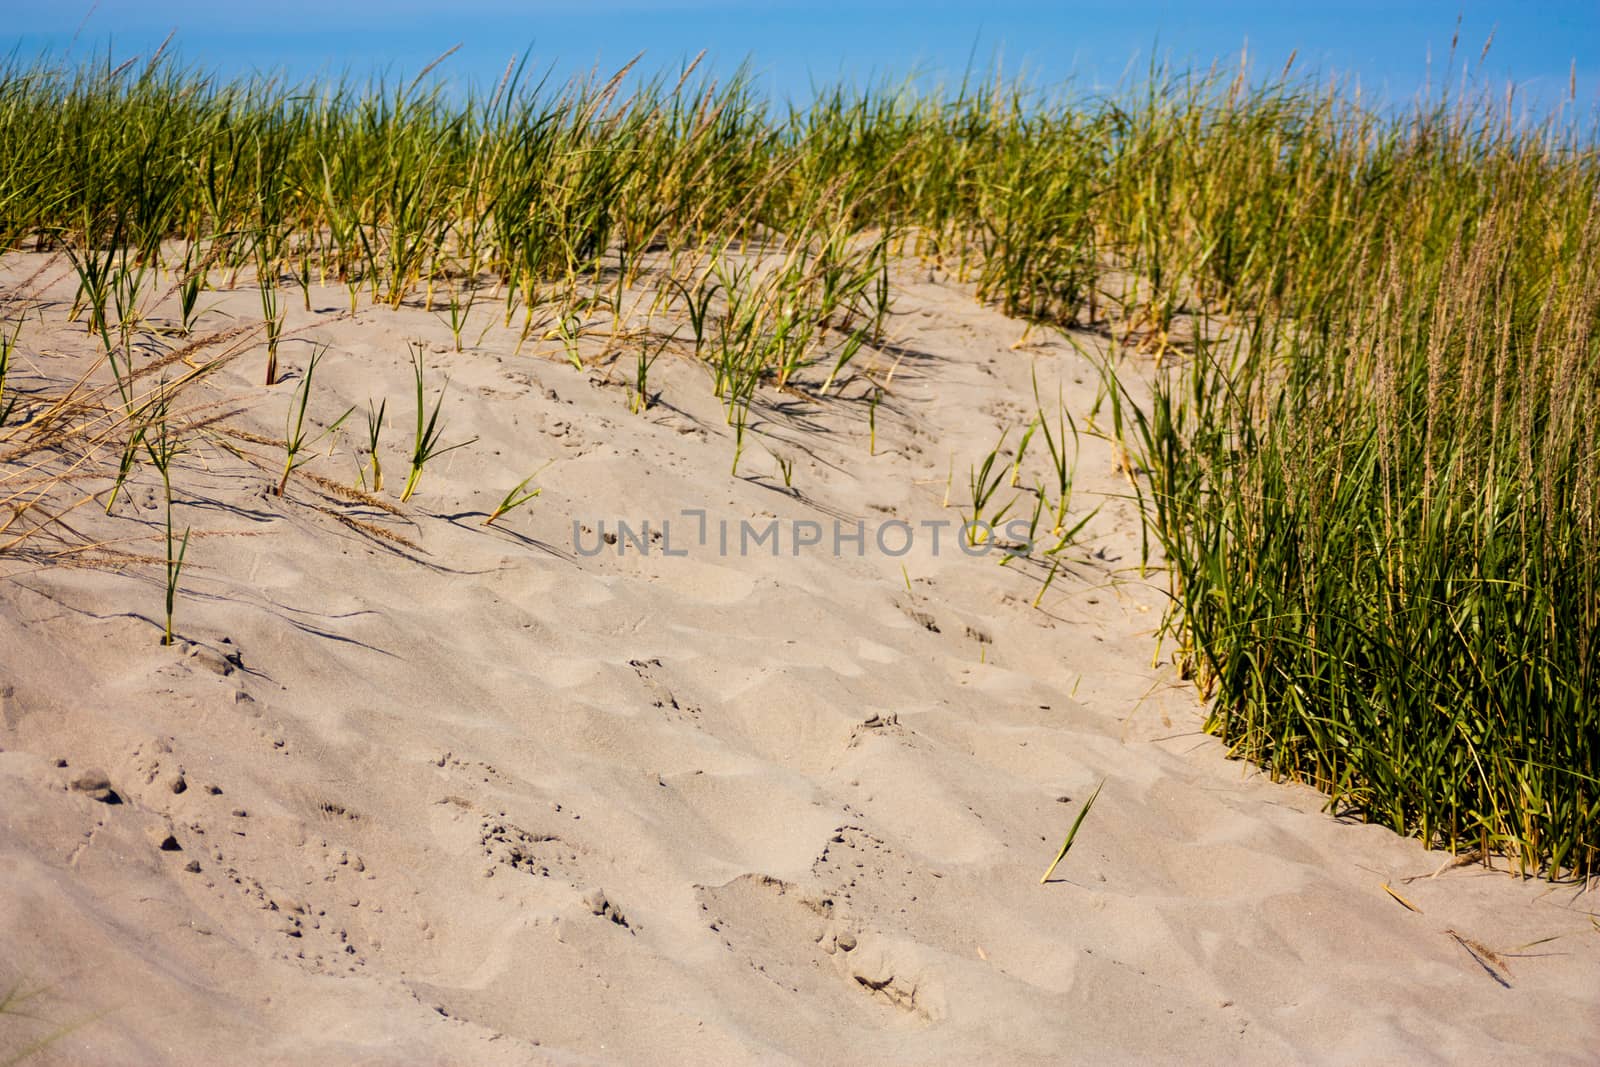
(1394,48)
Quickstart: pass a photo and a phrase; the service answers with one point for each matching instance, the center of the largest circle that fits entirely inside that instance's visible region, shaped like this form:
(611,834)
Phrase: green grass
(1072,833)
(1377,478)
(297,439)
(163,447)
(519,495)
(1369,459)
(427,443)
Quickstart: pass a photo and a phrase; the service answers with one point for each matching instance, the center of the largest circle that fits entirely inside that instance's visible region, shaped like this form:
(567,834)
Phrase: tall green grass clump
(1380,494)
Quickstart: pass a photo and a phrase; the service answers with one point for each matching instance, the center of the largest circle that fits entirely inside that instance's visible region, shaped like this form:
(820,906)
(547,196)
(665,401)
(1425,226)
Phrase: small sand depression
(456,793)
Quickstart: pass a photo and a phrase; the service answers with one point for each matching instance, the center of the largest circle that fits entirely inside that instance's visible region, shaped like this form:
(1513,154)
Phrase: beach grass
(1369,460)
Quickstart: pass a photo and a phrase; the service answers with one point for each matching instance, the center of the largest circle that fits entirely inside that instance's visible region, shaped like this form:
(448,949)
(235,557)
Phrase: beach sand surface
(456,794)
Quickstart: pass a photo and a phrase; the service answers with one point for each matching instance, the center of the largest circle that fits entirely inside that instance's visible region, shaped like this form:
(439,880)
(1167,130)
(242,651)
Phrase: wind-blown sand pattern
(466,795)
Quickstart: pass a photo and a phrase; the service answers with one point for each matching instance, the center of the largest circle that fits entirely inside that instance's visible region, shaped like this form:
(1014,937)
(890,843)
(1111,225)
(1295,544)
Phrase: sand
(486,796)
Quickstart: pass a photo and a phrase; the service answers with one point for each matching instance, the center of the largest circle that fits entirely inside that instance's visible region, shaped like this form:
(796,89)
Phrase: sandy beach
(412,789)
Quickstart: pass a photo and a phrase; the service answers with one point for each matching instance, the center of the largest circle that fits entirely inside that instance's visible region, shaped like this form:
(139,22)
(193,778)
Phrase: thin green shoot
(569,327)
(640,401)
(163,447)
(460,308)
(698,304)
(1011,554)
(1055,565)
(1072,833)
(1067,537)
(852,345)
(1022,448)
(986,480)
(273,319)
(297,439)
(1063,466)
(374,433)
(426,446)
(8,344)
(520,494)
(739,414)
(190,285)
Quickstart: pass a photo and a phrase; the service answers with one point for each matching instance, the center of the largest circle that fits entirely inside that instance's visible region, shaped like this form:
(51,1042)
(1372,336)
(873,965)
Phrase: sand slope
(489,800)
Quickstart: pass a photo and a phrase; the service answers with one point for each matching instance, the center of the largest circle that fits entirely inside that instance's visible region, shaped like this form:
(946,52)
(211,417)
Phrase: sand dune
(477,796)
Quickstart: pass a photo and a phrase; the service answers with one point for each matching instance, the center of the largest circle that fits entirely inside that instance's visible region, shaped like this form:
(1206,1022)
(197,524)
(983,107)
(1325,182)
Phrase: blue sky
(1394,48)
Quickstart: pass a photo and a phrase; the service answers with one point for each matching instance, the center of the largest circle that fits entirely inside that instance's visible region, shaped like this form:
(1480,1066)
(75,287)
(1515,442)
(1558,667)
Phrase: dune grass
(1072,833)
(1369,459)
(1377,476)
(427,443)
